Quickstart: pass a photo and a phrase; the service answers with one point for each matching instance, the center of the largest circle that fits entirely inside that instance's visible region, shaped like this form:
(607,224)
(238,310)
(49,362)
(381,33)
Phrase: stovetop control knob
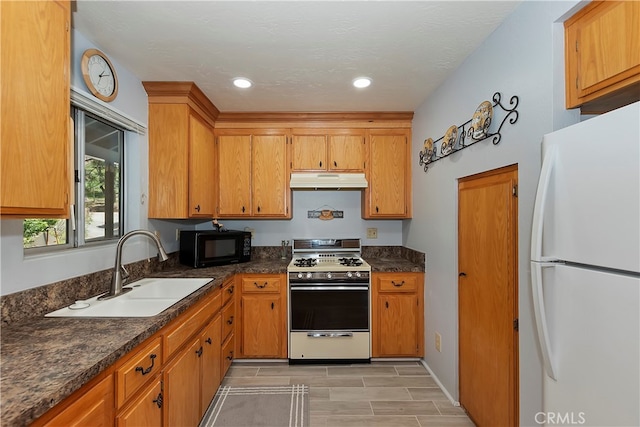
(328,275)
(309,275)
(349,274)
(300,275)
(358,274)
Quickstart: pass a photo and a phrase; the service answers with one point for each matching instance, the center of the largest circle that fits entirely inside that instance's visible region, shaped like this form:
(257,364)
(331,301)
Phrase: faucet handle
(125,272)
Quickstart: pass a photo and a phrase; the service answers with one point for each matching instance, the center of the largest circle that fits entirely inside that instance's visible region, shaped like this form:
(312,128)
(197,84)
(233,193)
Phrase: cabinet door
(234,177)
(182,387)
(94,408)
(145,410)
(262,322)
(270,176)
(35,45)
(309,152)
(202,173)
(210,362)
(398,324)
(603,50)
(346,152)
(389,175)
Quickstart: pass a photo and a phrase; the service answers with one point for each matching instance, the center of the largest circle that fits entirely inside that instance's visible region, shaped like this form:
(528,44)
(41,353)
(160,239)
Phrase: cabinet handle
(230,357)
(146,371)
(320,163)
(199,351)
(158,400)
(230,321)
(463,274)
(386,303)
(243,209)
(208,340)
(198,208)
(377,209)
(230,289)
(335,163)
(264,285)
(397,284)
(258,209)
(272,306)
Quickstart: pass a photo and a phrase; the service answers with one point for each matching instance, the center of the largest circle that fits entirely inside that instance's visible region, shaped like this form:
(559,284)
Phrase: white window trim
(81,100)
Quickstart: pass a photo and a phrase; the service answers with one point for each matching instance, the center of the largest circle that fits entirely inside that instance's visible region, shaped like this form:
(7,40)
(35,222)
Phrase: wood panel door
(202,173)
(211,341)
(270,176)
(145,410)
(234,177)
(308,152)
(181,387)
(346,153)
(487,297)
(398,324)
(262,320)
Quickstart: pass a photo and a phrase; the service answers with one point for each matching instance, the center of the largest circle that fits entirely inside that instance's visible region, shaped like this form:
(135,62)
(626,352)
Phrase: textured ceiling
(301,55)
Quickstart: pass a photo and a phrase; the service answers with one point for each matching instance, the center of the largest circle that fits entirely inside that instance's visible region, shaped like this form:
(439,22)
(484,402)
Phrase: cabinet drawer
(228,290)
(137,369)
(397,284)
(174,338)
(228,319)
(260,284)
(227,355)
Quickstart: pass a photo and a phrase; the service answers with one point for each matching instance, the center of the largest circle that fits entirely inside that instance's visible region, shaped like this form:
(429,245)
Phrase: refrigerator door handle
(541,317)
(539,207)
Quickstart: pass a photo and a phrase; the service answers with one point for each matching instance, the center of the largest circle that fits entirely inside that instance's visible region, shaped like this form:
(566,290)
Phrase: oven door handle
(329,334)
(329,288)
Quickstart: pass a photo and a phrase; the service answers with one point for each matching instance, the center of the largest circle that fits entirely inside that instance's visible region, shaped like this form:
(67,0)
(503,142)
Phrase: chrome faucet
(117,278)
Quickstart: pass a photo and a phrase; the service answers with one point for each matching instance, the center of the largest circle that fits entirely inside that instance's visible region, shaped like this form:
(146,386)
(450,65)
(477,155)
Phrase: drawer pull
(230,357)
(397,284)
(158,400)
(230,289)
(146,371)
(197,208)
(264,285)
(386,303)
(230,321)
(208,340)
(199,351)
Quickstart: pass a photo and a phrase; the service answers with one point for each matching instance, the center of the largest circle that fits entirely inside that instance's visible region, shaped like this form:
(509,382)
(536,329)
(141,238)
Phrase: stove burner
(350,262)
(305,262)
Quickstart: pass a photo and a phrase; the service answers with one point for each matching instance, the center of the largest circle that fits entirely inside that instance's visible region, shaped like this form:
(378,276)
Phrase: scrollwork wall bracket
(439,150)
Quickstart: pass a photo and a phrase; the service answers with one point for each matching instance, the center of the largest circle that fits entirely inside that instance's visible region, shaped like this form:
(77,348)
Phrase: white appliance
(585,271)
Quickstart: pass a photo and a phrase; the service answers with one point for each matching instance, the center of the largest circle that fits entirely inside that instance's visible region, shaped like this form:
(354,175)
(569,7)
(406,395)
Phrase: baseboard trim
(442,387)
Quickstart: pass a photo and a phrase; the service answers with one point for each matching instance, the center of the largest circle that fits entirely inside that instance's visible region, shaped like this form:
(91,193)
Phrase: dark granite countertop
(44,360)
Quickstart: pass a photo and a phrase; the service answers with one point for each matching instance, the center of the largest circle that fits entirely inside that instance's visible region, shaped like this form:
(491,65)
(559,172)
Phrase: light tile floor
(382,394)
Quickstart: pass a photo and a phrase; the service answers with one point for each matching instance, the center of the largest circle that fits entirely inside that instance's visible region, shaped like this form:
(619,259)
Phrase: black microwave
(208,248)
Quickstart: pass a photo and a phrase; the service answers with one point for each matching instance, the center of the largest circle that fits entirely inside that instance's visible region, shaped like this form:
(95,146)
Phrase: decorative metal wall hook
(455,138)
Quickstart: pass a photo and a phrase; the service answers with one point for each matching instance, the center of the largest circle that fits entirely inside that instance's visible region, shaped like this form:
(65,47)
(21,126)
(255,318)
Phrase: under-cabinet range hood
(334,181)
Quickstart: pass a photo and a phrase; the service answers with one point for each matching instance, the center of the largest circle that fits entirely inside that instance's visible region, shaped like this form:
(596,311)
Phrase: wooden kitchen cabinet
(181,380)
(253,178)
(35,176)
(263,329)
(145,409)
(336,150)
(389,175)
(397,315)
(229,321)
(602,56)
(210,366)
(181,151)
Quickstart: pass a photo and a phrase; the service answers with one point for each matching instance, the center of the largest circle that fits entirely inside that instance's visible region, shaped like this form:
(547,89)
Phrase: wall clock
(99,75)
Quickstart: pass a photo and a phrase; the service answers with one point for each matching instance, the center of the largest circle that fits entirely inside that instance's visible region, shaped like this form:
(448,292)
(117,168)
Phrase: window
(99,152)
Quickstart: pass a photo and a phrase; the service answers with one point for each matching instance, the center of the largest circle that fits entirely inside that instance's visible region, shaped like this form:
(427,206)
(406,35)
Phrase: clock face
(101,75)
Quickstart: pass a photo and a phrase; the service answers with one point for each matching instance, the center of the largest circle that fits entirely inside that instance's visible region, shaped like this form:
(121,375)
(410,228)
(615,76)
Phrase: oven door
(328,308)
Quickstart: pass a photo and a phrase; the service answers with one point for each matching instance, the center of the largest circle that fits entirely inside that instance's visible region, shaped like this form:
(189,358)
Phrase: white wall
(523,57)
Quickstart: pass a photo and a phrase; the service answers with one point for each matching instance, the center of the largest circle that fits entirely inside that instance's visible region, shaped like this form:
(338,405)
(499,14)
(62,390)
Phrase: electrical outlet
(372,233)
(438,342)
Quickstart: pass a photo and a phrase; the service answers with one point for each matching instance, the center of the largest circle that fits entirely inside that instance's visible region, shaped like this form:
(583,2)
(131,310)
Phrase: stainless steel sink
(148,297)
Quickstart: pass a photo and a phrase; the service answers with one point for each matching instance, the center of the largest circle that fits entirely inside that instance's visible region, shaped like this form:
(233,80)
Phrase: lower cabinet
(181,380)
(144,410)
(397,301)
(263,308)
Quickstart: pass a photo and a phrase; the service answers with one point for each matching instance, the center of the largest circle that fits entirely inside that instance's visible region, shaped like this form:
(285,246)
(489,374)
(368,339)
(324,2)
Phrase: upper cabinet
(389,175)
(34,64)
(602,50)
(335,150)
(182,174)
(254,172)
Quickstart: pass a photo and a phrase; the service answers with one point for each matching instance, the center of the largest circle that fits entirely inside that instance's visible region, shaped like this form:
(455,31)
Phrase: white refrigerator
(585,271)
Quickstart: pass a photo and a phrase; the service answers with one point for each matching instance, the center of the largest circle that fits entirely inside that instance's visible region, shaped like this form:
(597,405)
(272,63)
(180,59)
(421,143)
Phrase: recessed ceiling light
(242,82)
(362,82)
